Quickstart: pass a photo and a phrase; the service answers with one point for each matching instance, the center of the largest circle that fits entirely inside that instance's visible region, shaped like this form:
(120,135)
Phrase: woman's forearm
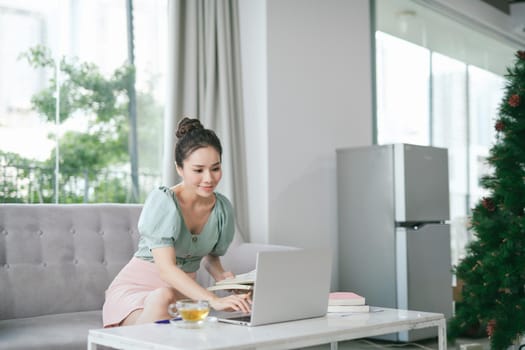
(186,285)
(214,267)
(165,260)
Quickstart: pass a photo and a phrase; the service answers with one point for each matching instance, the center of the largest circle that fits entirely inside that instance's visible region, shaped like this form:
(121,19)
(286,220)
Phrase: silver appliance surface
(394,237)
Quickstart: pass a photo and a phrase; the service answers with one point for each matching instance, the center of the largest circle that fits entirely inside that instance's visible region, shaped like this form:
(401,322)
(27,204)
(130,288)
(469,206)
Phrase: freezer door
(421,183)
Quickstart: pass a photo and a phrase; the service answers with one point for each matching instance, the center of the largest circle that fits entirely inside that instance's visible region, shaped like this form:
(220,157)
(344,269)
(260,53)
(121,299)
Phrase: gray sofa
(56,260)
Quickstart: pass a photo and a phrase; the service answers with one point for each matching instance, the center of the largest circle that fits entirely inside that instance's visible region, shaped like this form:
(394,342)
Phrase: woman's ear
(179,170)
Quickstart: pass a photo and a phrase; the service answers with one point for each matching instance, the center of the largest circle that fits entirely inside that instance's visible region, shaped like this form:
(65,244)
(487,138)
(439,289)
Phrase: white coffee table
(287,335)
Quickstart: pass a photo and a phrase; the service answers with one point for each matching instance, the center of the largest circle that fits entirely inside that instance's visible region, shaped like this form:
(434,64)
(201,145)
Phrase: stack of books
(347,302)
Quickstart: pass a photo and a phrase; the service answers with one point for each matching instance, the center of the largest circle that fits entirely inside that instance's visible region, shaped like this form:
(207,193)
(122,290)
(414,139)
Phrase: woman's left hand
(225,275)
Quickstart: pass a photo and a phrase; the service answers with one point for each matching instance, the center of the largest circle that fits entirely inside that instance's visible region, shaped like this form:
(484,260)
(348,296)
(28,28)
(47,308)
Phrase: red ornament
(500,126)
(521,55)
(488,204)
(491,326)
(514,100)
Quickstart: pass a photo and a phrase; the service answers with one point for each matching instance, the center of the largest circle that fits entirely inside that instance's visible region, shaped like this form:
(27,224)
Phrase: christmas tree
(493,270)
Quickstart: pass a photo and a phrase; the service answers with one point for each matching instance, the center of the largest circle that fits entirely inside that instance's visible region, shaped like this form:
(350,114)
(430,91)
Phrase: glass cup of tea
(192,312)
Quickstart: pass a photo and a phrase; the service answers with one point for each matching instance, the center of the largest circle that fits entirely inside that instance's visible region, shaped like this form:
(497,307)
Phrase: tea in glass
(192,312)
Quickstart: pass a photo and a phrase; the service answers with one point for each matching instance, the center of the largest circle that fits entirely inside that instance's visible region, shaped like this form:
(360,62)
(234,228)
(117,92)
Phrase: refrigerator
(393,230)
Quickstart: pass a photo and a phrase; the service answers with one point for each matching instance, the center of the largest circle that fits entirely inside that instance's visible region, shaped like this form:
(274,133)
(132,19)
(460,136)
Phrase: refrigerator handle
(416,225)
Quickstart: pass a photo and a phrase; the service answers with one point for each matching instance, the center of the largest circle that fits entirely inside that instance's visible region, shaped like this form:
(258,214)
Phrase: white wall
(318,97)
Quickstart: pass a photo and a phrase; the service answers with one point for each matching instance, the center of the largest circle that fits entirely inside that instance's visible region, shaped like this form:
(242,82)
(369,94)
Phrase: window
(433,88)
(485,94)
(87,139)
(400,110)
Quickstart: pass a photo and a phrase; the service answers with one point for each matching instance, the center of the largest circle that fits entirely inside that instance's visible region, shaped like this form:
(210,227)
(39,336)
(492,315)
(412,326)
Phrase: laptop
(289,285)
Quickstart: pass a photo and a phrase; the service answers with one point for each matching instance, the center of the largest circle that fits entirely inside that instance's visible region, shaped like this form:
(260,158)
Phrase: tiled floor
(428,344)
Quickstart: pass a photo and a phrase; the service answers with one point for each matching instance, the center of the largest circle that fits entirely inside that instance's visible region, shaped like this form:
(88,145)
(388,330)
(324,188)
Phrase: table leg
(91,345)
(333,345)
(442,335)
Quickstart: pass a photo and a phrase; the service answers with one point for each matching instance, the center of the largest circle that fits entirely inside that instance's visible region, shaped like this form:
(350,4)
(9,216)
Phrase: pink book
(345,298)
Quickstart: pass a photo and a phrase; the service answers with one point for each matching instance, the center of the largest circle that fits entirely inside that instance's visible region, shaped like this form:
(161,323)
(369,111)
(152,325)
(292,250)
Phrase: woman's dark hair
(192,135)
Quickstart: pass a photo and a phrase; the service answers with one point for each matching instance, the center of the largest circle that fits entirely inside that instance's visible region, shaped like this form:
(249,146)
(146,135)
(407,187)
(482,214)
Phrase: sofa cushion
(53,332)
(61,258)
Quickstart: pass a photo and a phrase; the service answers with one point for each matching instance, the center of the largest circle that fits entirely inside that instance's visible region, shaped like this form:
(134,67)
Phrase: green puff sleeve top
(161,225)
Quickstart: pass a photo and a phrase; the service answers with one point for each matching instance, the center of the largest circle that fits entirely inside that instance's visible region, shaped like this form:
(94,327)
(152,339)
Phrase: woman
(178,227)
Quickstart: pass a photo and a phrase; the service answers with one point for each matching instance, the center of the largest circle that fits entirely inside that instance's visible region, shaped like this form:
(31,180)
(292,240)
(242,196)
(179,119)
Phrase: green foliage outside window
(93,159)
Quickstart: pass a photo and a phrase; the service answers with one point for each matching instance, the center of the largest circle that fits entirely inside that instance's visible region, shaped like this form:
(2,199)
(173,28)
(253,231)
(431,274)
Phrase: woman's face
(201,171)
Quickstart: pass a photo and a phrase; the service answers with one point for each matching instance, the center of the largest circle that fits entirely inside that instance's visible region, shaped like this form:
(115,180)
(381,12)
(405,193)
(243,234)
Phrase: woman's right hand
(235,302)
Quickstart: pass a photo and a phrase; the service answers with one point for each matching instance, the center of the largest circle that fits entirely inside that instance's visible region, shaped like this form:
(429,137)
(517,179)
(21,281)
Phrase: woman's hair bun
(186,125)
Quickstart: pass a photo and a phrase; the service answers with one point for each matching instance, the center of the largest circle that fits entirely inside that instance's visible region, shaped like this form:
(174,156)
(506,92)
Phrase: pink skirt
(129,289)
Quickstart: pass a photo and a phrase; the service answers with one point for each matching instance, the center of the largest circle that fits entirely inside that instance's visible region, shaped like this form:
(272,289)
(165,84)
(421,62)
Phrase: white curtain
(204,81)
